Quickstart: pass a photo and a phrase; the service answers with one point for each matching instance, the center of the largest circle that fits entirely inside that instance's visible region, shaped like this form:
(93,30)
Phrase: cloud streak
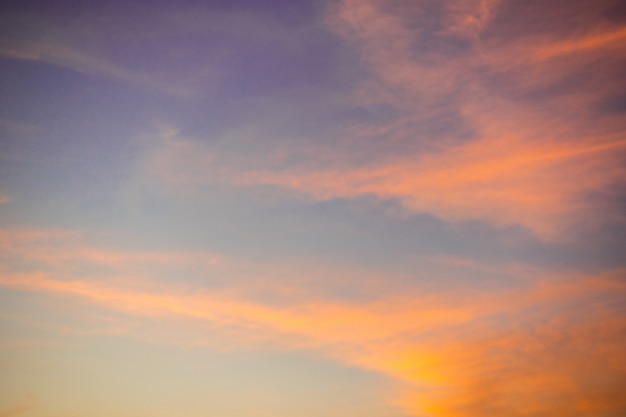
(114,41)
(458,355)
(528,349)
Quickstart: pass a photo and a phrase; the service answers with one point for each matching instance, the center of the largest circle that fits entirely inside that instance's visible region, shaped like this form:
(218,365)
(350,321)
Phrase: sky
(304,208)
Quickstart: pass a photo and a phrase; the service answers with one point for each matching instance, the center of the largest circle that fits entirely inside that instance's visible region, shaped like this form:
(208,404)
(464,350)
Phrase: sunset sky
(313,208)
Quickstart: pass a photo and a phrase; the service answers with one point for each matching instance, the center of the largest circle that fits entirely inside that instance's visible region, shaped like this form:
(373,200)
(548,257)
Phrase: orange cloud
(16,411)
(524,166)
(501,180)
(595,42)
(57,248)
(516,173)
(552,347)
(557,364)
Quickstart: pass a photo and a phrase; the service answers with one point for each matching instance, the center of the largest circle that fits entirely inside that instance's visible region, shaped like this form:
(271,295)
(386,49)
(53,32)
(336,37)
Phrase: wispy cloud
(459,354)
(66,249)
(503,178)
(500,181)
(610,40)
(522,163)
(488,128)
(456,352)
(17,410)
(115,42)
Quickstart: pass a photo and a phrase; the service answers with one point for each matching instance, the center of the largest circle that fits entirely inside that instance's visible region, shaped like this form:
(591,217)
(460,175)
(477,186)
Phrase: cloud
(15,411)
(58,248)
(527,350)
(552,356)
(140,47)
(486,125)
(499,181)
(503,178)
(599,42)
(526,161)
(550,345)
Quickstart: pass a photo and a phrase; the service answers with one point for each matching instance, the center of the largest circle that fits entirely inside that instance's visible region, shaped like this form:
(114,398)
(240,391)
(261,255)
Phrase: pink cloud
(528,162)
